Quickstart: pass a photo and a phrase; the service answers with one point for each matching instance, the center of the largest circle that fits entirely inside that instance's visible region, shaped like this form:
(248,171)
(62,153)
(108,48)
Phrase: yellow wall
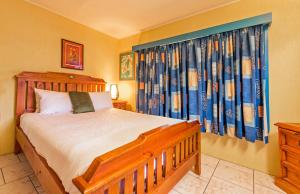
(30,40)
(284,74)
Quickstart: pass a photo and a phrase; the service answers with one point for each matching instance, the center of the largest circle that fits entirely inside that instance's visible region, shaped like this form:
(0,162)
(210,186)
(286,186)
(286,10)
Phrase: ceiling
(122,18)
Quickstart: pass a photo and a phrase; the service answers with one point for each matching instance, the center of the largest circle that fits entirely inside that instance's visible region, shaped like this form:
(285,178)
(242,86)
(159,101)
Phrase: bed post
(197,167)
(20,106)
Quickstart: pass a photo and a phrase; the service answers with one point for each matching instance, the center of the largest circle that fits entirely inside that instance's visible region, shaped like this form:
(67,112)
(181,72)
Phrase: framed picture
(127,66)
(72,55)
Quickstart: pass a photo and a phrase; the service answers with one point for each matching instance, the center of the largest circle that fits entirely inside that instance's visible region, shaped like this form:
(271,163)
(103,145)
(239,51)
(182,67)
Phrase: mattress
(70,142)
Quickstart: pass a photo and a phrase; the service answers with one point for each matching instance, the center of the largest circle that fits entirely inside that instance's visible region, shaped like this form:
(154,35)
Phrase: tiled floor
(217,177)
(222,177)
(16,176)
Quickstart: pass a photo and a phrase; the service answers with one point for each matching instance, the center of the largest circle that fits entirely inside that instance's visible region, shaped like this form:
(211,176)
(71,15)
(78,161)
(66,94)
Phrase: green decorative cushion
(81,102)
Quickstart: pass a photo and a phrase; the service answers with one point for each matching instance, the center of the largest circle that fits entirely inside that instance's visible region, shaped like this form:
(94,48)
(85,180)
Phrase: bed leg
(197,167)
(17,147)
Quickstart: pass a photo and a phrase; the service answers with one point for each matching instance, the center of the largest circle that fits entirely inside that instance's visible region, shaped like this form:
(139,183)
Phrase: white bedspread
(69,142)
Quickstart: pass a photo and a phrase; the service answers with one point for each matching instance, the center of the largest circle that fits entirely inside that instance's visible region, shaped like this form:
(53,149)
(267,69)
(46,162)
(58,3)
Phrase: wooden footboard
(153,163)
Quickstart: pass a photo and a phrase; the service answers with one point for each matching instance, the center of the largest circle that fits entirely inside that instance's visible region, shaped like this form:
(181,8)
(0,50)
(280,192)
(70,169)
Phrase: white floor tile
(209,161)
(264,190)
(191,184)
(21,186)
(220,186)
(16,171)
(235,166)
(235,174)
(206,172)
(8,159)
(174,192)
(193,174)
(265,180)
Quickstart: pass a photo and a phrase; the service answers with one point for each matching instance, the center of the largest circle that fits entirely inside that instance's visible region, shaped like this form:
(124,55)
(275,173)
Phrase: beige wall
(284,74)
(30,40)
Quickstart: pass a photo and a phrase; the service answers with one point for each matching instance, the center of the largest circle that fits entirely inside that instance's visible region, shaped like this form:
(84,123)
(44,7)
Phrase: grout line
(2,176)
(234,163)
(15,180)
(19,157)
(253,181)
(211,176)
(33,184)
(244,167)
(230,181)
(20,178)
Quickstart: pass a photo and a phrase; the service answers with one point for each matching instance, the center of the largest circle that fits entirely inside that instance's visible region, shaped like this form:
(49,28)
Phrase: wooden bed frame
(175,149)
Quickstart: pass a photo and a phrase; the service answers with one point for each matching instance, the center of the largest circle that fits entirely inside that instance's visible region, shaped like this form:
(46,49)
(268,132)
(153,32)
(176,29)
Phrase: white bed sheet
(69,142)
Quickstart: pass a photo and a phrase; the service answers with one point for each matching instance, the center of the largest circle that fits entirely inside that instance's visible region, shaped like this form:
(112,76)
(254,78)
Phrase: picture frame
(127,66)
(71,55)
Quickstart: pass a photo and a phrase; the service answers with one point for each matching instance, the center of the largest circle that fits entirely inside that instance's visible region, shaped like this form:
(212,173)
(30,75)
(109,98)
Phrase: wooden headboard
(62,82)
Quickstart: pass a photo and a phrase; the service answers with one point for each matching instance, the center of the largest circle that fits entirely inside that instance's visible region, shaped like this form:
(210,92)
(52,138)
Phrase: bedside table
(120,104)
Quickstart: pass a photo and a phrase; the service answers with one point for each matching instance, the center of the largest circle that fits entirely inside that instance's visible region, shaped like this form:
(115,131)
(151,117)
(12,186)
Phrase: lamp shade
(114,92)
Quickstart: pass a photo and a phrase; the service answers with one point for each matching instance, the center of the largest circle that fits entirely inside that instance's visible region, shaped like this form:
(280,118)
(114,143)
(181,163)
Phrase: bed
(108,151)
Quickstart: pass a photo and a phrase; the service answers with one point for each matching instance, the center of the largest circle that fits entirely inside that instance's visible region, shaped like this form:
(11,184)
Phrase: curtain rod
(252,21)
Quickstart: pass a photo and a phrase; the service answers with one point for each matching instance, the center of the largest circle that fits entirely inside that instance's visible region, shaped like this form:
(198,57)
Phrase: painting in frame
(127,69)
(72,55)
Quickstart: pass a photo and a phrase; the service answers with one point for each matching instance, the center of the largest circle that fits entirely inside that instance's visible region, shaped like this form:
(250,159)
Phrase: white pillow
(101,100)
(51,102)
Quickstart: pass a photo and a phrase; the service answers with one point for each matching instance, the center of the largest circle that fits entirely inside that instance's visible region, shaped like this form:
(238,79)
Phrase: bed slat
(140,180)
(89,88)
(94,88)
(190,145)
(169,159)
(177,155)
(98,88)
(79,88)
(114,189)
(159,169)
(150,175)
(182,151)
(70,87)
(30,96)
(84,87)
(40,85)
(62,87)
(186,146)
(55,87)
(129,184)
(48,86)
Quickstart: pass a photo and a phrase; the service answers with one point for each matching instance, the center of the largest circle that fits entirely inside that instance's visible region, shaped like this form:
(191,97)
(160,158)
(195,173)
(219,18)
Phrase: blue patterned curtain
(221,80)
